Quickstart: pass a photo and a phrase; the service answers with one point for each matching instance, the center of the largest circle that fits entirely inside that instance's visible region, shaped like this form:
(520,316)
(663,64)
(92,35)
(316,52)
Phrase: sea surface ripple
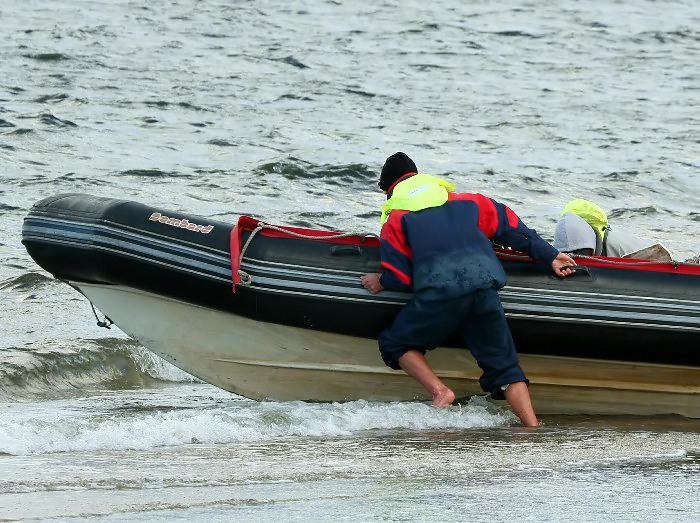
(286,111)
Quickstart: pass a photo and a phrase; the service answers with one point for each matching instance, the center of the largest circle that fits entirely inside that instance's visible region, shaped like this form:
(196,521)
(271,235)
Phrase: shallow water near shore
(190,451)
(286,112)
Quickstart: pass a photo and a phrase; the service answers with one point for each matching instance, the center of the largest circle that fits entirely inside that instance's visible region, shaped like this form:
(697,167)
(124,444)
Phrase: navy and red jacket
(446,251)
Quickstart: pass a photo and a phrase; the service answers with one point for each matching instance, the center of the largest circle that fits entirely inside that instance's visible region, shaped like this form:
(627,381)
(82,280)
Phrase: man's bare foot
(443,398)
(415,364)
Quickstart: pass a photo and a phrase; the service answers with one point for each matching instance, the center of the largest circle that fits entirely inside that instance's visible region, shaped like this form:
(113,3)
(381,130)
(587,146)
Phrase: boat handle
(341,250)
(580,268)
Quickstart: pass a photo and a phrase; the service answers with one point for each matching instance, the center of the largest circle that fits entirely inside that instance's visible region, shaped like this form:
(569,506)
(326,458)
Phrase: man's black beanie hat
(394,168)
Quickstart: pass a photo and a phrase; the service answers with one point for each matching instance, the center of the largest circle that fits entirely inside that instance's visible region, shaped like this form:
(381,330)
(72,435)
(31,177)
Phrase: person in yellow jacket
(583,228)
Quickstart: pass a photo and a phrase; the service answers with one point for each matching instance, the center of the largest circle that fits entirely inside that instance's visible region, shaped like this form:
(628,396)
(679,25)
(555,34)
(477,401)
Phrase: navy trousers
(478,317)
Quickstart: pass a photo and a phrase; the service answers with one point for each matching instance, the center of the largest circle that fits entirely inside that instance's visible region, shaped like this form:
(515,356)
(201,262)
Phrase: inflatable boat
(270,311)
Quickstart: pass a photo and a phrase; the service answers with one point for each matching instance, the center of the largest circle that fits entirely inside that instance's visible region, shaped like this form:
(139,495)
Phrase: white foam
(71,429)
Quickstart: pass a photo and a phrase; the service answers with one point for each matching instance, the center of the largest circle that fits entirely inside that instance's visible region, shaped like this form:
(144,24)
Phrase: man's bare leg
(518,397)
(414,364)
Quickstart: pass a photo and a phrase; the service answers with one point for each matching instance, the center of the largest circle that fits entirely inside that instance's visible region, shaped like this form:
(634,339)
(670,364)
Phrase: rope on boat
(247,279)
(106,323)
(635,263)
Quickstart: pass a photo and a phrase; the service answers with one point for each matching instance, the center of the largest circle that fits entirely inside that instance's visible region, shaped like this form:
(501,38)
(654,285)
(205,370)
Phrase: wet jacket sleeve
(396,255)
(500,223)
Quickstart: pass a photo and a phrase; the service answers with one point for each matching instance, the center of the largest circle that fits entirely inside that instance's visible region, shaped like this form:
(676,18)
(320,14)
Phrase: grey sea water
(286,111)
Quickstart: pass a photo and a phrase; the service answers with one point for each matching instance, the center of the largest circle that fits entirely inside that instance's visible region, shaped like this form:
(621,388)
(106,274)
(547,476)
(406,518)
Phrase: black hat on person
(394,168)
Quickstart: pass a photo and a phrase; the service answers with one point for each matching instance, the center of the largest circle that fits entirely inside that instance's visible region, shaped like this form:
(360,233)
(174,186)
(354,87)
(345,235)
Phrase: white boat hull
(262,360)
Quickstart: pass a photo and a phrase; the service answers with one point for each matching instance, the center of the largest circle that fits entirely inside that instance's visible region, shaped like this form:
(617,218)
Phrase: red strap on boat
(247,223)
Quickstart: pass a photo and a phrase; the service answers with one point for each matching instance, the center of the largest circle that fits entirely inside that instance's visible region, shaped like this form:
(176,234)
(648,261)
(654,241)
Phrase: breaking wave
(128,425)
(27,373)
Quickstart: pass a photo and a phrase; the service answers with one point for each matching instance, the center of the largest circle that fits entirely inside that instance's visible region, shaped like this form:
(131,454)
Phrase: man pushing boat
(436,243)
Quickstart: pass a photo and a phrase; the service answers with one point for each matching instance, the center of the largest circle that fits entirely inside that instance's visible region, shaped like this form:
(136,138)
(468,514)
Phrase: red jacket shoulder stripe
(513,219)
(488,214)
(392,232)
